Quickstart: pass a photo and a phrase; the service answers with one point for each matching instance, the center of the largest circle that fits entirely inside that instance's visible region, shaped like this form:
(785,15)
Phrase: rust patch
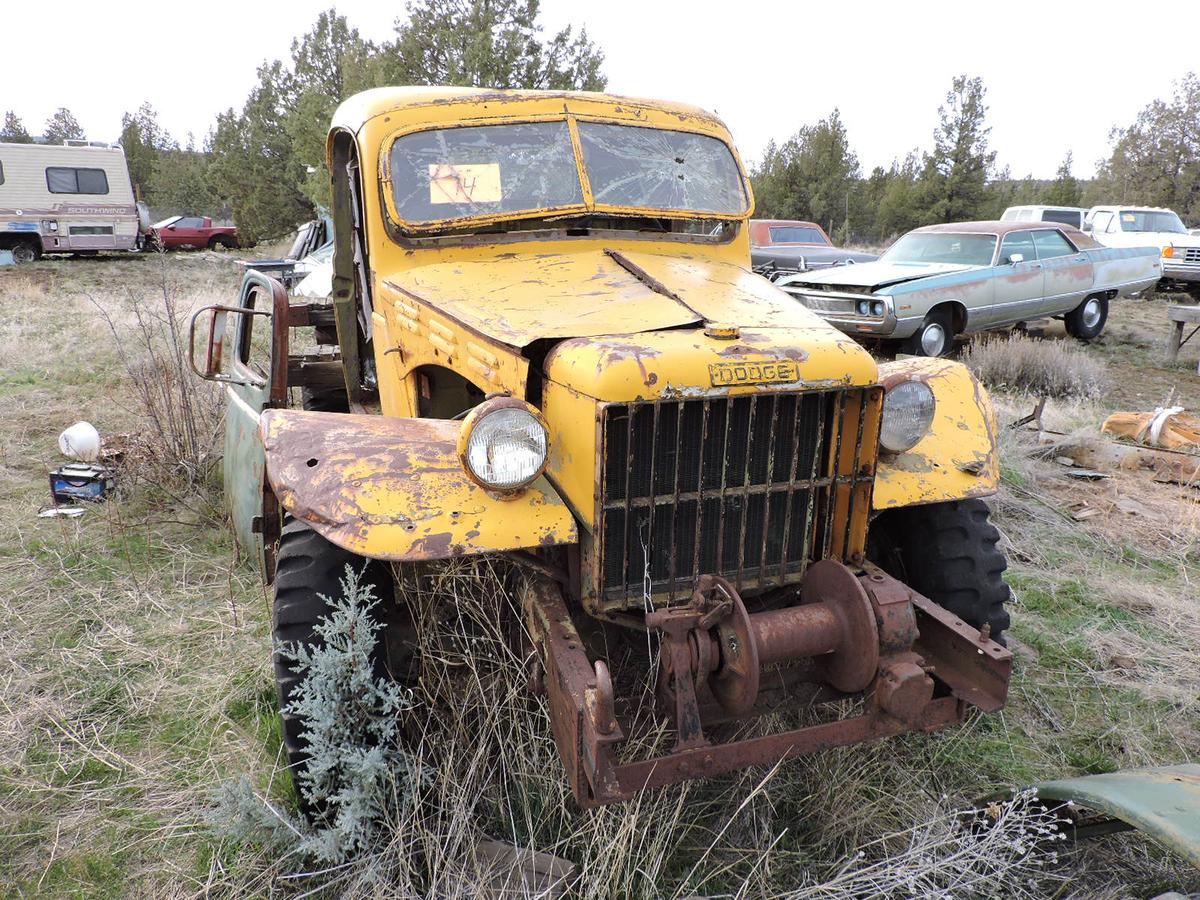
(392,488)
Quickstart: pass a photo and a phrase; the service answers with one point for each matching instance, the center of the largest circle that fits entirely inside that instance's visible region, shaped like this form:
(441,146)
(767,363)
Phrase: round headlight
(864,307)
(503,444)
(877,308)
(907,415)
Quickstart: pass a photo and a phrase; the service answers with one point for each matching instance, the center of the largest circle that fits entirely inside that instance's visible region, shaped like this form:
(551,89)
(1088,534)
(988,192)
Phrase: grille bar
(751,487)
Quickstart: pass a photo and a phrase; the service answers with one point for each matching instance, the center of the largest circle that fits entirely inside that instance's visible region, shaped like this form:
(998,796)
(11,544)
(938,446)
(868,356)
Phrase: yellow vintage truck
(545,342)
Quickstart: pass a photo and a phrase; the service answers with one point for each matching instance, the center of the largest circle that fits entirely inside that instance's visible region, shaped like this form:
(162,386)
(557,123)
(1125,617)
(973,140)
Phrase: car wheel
(1086,321)
(25,252)
(935,337)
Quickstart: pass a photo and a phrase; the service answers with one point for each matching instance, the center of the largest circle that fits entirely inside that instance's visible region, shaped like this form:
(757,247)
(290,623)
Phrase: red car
(191,231)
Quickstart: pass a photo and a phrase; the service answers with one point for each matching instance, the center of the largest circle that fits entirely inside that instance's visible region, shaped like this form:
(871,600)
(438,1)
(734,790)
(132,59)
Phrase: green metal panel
(1163,802)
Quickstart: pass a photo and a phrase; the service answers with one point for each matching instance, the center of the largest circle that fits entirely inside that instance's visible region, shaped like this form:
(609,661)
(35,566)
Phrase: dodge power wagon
(545,343)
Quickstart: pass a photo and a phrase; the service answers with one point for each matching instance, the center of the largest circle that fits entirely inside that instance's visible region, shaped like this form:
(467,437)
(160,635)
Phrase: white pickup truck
(1146,226)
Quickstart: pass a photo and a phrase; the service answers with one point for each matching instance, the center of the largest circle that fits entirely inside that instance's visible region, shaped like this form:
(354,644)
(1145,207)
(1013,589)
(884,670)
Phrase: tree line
(265,161)
(815,175)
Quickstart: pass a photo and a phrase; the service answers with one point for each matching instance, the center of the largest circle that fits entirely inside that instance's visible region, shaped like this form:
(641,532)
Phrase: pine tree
(144,141)
(954,176)
(1064,190)
(62,126)
(488,43)
(14,131)
(254,165)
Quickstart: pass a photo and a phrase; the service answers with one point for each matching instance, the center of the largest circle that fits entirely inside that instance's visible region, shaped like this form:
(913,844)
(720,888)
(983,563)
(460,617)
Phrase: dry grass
(1047,368)
(136,682)
(493,773)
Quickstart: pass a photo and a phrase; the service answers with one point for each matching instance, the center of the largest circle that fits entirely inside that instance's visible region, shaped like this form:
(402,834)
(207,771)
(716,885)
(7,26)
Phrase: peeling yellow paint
(393,489)
(957,458)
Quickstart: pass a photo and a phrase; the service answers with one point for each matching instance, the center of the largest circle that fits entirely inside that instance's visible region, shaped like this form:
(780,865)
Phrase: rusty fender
(392,488)
(957,458)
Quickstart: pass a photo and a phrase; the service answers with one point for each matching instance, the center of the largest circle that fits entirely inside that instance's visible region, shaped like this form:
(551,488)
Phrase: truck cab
(1147,226)
(545,345)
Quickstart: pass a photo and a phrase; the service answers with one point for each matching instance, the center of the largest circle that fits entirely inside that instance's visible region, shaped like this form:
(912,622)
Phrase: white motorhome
(66,198)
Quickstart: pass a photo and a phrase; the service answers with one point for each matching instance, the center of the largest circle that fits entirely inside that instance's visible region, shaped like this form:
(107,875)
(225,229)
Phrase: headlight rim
(883,445)
(477,415)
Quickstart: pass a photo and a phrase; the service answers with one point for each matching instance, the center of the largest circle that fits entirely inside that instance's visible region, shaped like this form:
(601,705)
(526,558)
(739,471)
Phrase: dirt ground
(134,650)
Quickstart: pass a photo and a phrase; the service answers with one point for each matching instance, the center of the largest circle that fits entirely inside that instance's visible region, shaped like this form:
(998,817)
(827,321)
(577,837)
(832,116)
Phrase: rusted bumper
(864,633)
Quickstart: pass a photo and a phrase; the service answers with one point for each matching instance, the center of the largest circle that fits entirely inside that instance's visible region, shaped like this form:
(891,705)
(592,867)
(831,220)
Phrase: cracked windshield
(458,173)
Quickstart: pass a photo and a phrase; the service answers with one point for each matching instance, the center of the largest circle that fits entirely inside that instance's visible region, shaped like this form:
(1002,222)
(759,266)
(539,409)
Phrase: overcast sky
(766,68)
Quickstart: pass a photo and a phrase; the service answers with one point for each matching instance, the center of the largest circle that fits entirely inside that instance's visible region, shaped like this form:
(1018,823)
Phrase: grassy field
(135,682)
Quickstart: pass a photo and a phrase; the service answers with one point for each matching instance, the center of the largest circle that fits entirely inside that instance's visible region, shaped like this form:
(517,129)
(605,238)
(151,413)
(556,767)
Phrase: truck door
(1019,280)
(247,353)
(1067,271)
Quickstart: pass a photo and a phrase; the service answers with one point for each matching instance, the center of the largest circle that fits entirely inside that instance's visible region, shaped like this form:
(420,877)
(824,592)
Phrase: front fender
(393,489)
(958,457)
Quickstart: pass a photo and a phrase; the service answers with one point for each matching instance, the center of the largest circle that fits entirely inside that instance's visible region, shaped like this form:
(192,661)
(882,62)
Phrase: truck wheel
(935,337)
(1086,321)
(324,400)
(949,553)
(307,567)
(25,252)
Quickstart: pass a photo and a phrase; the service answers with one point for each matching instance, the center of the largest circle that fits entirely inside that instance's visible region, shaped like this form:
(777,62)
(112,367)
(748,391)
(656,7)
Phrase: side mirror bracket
(218,331)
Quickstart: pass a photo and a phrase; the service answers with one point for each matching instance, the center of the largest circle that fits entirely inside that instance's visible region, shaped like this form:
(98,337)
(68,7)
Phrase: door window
(190,222)
(1017,242)
(1050,243)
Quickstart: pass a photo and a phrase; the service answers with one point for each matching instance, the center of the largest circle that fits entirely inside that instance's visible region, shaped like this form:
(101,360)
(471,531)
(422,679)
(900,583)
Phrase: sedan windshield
(943,247)
(1151,220)
(486,170)
(170,220)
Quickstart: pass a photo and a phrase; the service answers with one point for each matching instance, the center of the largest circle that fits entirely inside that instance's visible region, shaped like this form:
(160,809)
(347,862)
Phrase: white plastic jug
(81,441)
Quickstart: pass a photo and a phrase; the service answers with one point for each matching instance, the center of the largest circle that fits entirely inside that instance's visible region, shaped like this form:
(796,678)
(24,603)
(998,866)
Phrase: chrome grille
(738,486)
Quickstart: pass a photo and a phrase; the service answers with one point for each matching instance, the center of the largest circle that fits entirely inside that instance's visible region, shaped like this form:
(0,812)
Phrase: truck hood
(874,275)
(520,298)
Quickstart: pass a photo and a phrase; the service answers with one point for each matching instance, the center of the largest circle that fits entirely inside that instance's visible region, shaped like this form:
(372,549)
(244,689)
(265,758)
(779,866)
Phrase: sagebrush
(1045,368)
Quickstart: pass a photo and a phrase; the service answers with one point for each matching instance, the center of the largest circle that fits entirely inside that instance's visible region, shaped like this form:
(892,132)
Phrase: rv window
(90,229)
(1,173)
(60,180)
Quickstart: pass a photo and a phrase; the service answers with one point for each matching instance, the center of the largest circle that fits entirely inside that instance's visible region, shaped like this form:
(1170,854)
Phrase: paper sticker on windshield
(472,183)
(1128,217)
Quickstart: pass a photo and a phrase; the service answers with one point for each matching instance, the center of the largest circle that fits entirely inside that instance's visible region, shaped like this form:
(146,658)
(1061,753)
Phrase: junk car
(941,281)
(545,343)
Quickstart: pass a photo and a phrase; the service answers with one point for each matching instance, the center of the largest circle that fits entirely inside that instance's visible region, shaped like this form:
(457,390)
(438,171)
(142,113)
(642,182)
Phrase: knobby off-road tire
(949,552)
(1086,321)
(935,337)
(307,567)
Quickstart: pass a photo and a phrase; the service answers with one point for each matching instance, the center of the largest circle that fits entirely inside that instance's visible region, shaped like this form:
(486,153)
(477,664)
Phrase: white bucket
(81,441)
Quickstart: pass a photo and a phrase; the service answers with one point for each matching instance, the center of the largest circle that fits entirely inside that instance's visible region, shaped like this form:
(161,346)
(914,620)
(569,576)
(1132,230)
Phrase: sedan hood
(874,275)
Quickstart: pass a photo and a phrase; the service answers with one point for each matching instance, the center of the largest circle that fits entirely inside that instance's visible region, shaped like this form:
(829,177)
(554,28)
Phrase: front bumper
(1180,270)
(840,310)
(858,632)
